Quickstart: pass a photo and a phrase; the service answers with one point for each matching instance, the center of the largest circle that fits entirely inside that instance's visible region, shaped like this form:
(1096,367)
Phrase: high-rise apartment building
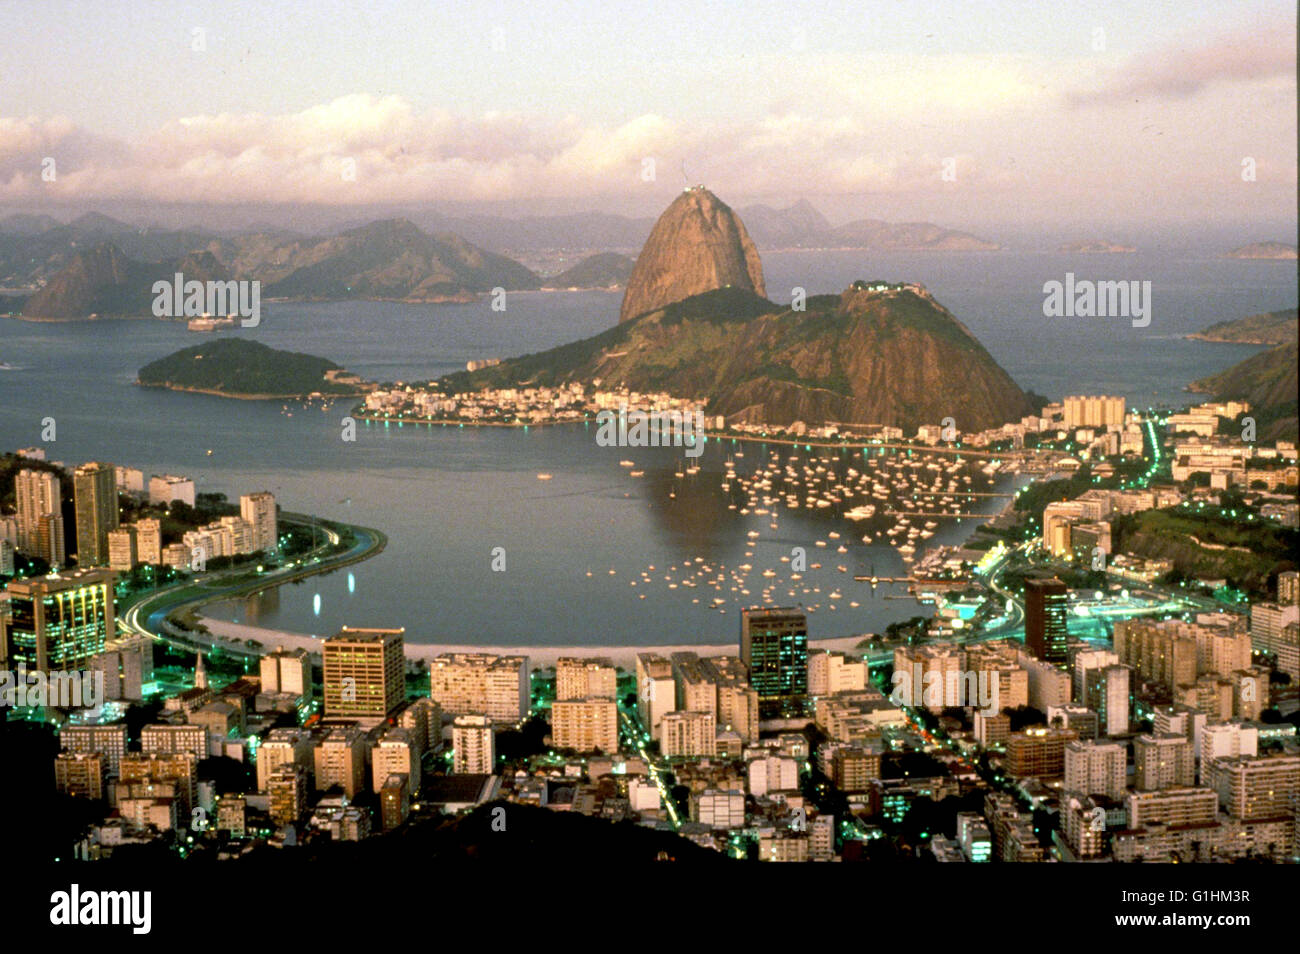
(1162,651)
(107,740)
(148,540)
(473,745)
(688,735)
(37,494)
(340,760)
(585,678)
(481,684)
(585,725)
(1253,787)
(1093,410)
(1163,760)
(395,754)
(287,671)
(123,553)
(831,672)
(1095,768)
(94,487)
(656,693)
(259,511)
(284,746)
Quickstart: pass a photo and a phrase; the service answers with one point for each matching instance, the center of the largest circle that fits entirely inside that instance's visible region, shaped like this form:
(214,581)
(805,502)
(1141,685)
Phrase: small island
(1275,251)
(250,370)
(1097,247)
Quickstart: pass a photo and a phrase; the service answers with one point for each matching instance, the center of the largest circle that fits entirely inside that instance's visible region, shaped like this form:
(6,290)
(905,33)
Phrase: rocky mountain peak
(699,244)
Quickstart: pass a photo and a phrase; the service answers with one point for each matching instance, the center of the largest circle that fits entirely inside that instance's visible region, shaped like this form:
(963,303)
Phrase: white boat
(543,476)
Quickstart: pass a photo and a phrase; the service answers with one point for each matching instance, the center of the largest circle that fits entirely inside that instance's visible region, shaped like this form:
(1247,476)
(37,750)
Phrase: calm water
(447,497)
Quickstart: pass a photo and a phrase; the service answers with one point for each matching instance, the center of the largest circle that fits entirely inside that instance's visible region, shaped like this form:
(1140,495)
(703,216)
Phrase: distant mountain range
(96,264)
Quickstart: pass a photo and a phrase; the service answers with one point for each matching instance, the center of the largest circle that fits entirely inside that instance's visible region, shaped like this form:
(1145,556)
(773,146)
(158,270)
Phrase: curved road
(145,617)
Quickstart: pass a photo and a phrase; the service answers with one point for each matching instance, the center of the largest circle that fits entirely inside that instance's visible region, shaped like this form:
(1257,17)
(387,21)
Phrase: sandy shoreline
(624,656)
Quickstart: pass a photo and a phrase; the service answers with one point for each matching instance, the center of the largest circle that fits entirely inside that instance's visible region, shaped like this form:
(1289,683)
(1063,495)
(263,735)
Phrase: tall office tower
(148,540)
(341,760)
(284,746)
(1046,606)
(1107,692)
(395,754)
(365,674)
(1163,760)
(288,671)
(688,734)
(473,746)
(655,690)
(122,549)
(58,622)
(181,768)
(774,646)
(287,786)
(259,510)
(94,486)
(585,725)
(1251,787)
(7,552)
(481,684)
(584,678)
(1093,410)
(1095,768)
(1288,587)
(81,775)
(36,493)
(107,740)
(1161,651)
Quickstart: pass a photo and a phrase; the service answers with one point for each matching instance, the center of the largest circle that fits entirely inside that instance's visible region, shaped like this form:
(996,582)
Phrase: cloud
(1180,73)
(362,149)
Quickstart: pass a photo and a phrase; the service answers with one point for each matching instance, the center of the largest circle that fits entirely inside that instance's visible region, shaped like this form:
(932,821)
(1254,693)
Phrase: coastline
(246,397)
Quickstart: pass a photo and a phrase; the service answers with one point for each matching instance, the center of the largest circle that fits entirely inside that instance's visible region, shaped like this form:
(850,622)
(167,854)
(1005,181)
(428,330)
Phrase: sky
(966,114)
